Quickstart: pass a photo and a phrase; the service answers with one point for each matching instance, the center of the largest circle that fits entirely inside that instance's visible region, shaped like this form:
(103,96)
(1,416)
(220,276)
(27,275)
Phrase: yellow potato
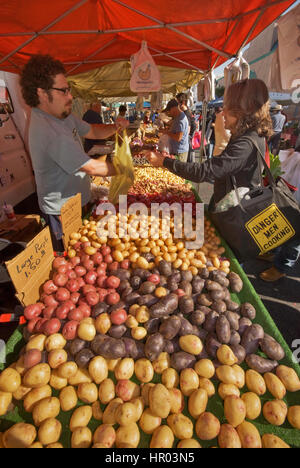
(21,393)
(228,437)
(98,369)
(162,363)
(1,440)
(5,401)
(176,400)
(226,374)
(97,411)
(188,443)
(159,400)
(294,416)
(205,368)
(104,435)
(139,404)
(81,376)
(35,395)
(225,390)
(207,426)
(162,437)
(271,441)
(207,385)
(182,427)
(81,438)
(191,344)
(234,410)
(36,342)
(226,356)
(188,381)
(275,412)
(111,364)
(149,422)
(275,386)
(129,434)
(67,369)
(249,435)
(87,392)
(10,380)
(253,405)
(55,446)
(124,369)
(55,341)
(36,445)
(47,408)
(49,431)
(170,378)
(145,389)
(239,376)
(125,414)
(109,412)
(255,382)
(289,378)
(197,403)
(81,417)
(37,376)
(86,331)
(56,381)
(106,391)
(20,435)
(68,398)
(19,366)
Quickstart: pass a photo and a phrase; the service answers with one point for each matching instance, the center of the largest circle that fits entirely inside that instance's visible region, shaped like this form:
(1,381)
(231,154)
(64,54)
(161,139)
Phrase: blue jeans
(287,256)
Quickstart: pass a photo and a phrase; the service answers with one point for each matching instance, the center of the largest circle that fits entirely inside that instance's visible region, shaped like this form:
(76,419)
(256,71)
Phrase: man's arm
(98,168)
(175,136)
(101,131)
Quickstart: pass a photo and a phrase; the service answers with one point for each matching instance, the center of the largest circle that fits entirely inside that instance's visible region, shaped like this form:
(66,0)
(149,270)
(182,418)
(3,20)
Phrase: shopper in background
(179,131)
(278,121)
(244,117)
(61,166)
(147,117)
(210,133)
(93,116)
(183,100)
(222,134)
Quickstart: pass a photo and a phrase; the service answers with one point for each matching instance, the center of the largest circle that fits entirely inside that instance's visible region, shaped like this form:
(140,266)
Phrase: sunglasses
(65,91)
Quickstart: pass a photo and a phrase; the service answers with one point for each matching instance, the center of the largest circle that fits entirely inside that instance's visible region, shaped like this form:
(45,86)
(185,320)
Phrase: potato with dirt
(170,327)
(260,364)
(252,337)
(235,282)
(154,346)
(182,360)
(166,306)
(272,348)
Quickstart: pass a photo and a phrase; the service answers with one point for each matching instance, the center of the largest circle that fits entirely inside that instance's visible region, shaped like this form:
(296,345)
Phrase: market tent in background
(113,80)
(88,34)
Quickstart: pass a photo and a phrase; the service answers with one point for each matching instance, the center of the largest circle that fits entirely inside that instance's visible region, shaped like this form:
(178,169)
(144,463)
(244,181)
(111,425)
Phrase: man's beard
(66,113)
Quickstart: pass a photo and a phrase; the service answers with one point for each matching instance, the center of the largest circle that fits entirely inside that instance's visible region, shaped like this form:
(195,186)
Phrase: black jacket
(238,159)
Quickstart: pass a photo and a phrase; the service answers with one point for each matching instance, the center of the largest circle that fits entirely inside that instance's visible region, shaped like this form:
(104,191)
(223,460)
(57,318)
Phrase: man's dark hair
(182,98)
(39,72)
(122,109)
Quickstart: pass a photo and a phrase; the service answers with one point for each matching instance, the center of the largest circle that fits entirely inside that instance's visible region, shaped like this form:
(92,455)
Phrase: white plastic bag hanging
(145,76)
(237,70)
(206,88)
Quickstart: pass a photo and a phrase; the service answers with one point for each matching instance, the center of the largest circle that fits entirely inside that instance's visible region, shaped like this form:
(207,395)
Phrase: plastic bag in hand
(124,178)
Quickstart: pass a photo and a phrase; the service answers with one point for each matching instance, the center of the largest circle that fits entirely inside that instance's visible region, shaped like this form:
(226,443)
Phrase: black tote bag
(270,218)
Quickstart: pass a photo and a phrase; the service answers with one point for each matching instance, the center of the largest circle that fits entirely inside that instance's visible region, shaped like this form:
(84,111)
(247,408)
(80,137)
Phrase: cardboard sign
(71,218)
(270,229)
(32,267)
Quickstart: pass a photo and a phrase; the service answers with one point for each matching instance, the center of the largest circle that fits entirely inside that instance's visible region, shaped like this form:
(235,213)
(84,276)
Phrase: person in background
(122,119)
(93,116)
(179,130)
(278,121)
(210,133)
(147,117)
(183,100)
(61,166)
(222,134)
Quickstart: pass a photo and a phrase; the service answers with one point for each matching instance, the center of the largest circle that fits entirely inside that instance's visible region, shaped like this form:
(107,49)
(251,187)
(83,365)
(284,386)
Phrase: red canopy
(87,34)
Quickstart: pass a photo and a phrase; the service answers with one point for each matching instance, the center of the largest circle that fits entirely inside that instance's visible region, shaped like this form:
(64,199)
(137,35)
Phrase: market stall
(136,340)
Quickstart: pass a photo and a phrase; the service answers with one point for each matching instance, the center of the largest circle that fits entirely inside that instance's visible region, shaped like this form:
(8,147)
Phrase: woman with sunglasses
(60,164)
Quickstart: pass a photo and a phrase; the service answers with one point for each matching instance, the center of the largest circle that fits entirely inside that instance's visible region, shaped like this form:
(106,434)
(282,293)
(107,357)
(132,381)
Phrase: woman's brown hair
(248,101)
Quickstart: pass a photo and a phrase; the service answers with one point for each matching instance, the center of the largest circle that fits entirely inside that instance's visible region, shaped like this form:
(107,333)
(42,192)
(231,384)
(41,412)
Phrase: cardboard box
(71,219)
(31,268)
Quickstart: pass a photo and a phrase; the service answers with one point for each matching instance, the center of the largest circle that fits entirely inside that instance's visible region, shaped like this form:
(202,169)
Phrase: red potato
(62,311)
(75,296)
(102,294)
(50,301)
(62,295)
(114,266)
(91,277)
(103,266)
(117,317)
(86,310)
(39,326)
(32,323)
(69,330)
(58,261)
(105,250)
(127,390)
(76,315)
(80,270)
(112,282)
(71,274)
(154,279)
(97,258)
(179,292)
(88,288)
(70,304)
(32,311)
(80,282)
(101,280)
(49,287)
(73,285)
(32,358)
(77,246)
(112,298)
(88,264)
(125,264)
(108,259)
(75,261)
(51,326)
(60,279)
(63,269)
(86,244)
(48,312)
(92,298)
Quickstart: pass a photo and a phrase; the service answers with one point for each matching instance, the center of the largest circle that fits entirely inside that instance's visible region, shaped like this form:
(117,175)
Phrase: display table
(22,230)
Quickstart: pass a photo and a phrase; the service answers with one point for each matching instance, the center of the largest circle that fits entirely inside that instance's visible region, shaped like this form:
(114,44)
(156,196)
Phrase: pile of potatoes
(145,249)
(110,402)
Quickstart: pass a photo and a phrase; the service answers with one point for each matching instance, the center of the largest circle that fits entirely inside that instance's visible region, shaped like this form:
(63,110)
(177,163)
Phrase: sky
(219,71)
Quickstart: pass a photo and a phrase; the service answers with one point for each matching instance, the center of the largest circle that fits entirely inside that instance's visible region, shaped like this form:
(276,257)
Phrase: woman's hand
(155,159)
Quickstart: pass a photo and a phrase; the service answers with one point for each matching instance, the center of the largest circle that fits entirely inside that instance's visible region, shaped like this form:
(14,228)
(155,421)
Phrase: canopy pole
(176,59)
(93,54)
(204,119)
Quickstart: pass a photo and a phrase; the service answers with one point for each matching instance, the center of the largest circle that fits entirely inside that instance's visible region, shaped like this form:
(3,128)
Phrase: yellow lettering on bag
(270,229)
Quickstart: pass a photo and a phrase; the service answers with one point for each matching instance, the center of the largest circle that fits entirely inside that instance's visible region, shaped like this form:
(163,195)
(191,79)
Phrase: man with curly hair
(61,166)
